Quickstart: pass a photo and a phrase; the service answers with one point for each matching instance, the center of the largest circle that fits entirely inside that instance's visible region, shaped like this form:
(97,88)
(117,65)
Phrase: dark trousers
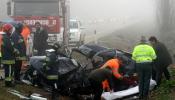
(17,69)
(157,74)
(9,73)
(97,89)
(144,71)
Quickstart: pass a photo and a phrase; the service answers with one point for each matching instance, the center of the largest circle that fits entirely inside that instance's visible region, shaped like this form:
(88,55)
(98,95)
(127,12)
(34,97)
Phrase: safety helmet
(7,27)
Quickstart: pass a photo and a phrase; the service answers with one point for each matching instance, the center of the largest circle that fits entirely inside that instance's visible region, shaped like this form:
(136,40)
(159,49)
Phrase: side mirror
(9,9)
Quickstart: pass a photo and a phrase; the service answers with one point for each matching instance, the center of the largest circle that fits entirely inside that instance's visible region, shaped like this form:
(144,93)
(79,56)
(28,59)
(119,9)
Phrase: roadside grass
(166,91)
(25,89)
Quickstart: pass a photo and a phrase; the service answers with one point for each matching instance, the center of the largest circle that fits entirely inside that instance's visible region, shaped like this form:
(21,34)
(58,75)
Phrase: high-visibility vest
(114,65)
(25,33)
(143,53)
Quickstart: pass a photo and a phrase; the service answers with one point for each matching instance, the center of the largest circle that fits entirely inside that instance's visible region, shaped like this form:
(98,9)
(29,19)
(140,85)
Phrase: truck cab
(47,12)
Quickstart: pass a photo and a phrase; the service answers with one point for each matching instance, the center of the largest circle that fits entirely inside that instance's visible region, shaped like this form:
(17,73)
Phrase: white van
(76,36)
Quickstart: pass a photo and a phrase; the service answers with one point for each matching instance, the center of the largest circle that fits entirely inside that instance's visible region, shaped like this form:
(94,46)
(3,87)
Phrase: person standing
(40,39)
(162,62)
(19,44)
(25,33)
(8,54)
(144,55)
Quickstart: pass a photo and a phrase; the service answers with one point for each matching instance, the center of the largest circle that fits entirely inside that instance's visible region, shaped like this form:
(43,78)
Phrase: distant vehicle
(76,36)
(47,12)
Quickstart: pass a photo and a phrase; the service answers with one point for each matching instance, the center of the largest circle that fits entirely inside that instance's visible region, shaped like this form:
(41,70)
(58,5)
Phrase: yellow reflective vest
(143,53)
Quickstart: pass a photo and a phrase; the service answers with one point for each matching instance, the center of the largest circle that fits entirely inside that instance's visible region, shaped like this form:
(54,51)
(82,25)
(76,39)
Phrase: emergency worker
(114,65)
(102,78)
(19,45)
(25,33)
(96,77)
(144,55)
(8,54)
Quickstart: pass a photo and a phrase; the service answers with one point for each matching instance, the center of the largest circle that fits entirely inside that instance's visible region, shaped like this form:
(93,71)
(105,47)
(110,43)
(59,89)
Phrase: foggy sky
(112,15)
(94,9)
(3,9)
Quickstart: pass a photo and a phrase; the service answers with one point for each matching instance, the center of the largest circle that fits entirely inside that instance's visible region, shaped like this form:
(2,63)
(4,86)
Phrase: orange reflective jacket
(114,65)
(25,33)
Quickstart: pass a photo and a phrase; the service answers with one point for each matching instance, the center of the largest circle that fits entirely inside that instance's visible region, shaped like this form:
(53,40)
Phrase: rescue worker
(144,55)
(8,54)
(40,39)
(162,62)
(25,33)
(19,45)
(102,78)
(96,77)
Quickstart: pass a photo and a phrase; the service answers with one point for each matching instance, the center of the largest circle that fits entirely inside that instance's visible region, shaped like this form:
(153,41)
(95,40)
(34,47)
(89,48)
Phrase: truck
(47,12)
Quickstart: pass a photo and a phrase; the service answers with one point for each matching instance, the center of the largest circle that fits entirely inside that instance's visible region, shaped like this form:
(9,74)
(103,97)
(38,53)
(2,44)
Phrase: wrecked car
(68,75)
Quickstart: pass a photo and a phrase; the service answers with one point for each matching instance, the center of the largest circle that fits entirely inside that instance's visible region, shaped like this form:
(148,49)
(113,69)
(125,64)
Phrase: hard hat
(7,27)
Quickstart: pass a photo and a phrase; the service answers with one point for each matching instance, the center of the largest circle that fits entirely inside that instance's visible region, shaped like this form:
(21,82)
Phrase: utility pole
(65,9)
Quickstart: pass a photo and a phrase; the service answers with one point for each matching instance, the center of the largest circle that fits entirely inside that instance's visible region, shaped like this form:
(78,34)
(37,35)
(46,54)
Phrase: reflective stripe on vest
(8,61)
(21,58)
(52,77)
(8,79)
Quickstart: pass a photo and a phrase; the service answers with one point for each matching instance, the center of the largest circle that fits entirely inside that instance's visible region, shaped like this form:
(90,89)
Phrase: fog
(3,10)
(106,16)
(120,23)
(95,9)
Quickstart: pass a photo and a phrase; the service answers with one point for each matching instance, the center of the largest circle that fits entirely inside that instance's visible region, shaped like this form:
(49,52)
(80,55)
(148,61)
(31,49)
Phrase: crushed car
(67,75)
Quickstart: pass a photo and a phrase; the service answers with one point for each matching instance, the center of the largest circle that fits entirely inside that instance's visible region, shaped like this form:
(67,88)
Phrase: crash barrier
(125,93)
